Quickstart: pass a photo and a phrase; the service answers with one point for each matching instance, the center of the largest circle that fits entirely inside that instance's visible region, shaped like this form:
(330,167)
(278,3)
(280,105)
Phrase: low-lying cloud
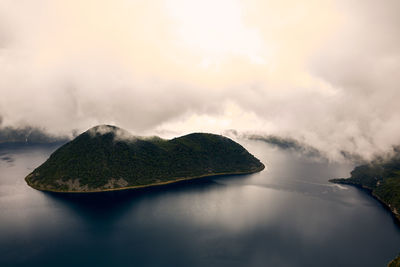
(324,73)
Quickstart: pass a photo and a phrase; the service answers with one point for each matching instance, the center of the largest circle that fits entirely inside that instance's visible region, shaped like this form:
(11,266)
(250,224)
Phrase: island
(381,178)
(106,158)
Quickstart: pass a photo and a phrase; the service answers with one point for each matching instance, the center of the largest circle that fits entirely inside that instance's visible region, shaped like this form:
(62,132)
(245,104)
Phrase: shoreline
(176,180)
(370,192)
(386,206)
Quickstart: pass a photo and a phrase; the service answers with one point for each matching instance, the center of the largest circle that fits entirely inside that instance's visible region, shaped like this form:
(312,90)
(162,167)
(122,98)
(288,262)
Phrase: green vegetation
(395,262)
(109,158)
(382,178)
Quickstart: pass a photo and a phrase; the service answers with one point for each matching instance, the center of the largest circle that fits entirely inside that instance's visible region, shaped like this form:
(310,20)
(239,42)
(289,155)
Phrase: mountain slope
(381,178)
(109,158)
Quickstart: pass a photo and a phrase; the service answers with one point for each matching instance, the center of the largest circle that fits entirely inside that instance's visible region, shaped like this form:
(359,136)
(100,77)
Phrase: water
(287,215)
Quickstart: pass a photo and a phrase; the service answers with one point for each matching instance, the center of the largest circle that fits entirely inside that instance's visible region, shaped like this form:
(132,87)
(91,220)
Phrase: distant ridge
(28,135)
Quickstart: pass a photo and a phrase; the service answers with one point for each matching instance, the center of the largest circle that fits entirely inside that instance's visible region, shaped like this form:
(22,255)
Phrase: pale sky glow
(215,31)
(321,71)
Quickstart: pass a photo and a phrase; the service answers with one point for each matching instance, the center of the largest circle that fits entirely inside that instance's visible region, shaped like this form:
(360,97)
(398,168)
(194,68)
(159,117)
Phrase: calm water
(287,215)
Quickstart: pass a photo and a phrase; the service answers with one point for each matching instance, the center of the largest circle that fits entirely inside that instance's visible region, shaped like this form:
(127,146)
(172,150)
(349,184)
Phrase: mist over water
(287,215)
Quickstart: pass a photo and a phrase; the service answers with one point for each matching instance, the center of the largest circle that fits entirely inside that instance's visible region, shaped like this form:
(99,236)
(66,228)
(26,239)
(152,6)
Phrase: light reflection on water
(287,215)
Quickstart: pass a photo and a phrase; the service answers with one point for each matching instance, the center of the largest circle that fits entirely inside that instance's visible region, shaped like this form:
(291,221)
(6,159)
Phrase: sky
(323,72)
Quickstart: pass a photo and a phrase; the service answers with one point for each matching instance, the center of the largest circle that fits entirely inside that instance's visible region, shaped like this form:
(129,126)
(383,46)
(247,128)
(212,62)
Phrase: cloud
(28,134)
(321,72)
(118,134)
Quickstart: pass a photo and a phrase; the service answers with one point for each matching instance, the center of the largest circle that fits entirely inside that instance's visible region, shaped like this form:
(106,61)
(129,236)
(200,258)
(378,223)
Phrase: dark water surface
(287,215)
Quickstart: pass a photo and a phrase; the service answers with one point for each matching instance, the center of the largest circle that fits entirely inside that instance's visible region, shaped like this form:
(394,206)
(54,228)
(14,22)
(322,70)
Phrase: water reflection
(287,215)
(114,204)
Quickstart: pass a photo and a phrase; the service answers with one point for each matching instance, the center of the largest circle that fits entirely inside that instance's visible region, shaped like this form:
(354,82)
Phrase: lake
(286,215)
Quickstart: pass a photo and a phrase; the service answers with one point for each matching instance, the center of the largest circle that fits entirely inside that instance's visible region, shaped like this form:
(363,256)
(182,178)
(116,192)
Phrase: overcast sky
(324,72)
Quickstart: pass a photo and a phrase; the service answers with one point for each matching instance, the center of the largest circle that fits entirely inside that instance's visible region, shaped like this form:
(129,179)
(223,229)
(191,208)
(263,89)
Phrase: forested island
(106,158)
(381,178)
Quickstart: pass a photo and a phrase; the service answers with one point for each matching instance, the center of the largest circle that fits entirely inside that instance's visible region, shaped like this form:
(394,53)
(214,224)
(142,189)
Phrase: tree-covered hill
(109,158)
(382,178)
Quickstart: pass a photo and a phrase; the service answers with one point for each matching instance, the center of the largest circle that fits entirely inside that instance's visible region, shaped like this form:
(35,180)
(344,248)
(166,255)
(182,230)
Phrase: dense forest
(107,158)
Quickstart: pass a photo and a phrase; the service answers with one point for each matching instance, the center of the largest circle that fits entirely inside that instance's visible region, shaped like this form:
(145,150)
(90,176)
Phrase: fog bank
(324,73)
